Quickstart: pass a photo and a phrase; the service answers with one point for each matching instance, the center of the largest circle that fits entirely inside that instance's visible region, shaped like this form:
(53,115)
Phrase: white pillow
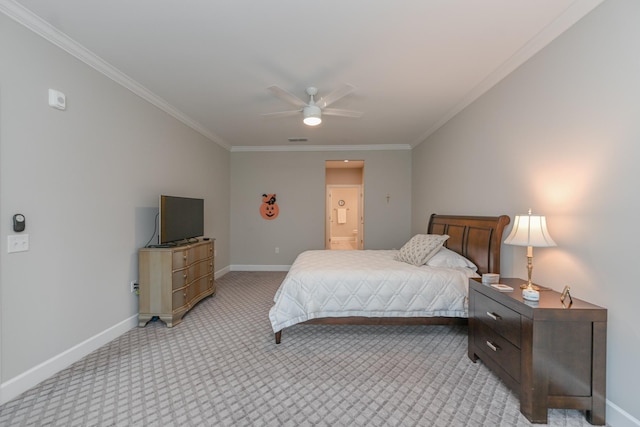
(450,259)
(420,248)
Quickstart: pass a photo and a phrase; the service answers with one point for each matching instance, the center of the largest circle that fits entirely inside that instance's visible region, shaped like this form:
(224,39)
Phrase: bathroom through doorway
(344,219)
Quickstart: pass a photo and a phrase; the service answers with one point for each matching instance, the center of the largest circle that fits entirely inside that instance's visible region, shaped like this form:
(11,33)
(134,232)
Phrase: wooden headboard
(477,238)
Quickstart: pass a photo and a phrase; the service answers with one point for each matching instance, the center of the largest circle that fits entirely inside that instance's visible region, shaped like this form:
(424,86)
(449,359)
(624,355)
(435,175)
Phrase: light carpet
(221,367)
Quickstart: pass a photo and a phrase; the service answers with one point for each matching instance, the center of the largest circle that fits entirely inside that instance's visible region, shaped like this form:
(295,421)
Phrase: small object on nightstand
(566,293)
(502,288)
(490,278)
(530,294)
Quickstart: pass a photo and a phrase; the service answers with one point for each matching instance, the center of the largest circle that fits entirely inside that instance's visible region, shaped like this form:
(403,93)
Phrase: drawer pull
(492,346)
(493,315)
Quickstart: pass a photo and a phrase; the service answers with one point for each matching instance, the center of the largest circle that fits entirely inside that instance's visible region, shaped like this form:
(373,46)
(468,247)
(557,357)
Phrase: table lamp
(530,231)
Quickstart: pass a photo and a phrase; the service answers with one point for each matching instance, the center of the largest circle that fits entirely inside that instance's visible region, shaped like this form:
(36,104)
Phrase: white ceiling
(414,63)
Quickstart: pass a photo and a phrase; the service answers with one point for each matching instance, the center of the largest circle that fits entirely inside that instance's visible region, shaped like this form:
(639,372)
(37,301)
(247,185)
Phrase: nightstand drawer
(501,351)
(496,316)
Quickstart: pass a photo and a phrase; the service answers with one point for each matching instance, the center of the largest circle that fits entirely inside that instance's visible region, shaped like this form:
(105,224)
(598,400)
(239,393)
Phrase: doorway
(344,218)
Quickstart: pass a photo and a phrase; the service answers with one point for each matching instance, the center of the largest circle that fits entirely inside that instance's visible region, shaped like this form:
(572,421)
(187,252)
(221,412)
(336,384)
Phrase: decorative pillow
(450,259)
(420,248)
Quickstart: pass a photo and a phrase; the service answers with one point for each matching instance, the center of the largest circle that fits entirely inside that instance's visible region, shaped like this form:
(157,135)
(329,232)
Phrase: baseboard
(243,267)
(34,376)
(618,417)
(218,274)
(14,387)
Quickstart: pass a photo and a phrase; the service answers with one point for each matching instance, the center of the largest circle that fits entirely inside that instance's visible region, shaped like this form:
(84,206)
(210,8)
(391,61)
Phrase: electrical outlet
(134,286)
(277,250)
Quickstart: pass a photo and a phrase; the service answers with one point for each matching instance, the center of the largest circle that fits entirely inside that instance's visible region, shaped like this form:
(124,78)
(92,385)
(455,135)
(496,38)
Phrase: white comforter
(368,283)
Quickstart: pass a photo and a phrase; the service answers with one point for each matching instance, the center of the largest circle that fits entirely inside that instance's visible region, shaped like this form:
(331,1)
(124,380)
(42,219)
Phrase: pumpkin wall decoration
(269,208)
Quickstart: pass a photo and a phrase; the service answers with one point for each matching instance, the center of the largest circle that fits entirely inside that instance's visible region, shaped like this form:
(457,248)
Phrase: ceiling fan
(312,111)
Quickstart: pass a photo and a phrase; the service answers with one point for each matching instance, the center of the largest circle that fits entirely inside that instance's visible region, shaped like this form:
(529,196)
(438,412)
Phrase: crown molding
(280,148)
(576,11)
(572,14)
(25,17)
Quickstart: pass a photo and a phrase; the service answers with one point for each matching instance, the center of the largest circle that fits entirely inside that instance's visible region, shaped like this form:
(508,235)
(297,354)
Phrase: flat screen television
(181,218)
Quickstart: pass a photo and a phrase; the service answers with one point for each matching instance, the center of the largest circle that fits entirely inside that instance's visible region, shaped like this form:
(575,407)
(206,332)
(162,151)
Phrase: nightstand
(552,355)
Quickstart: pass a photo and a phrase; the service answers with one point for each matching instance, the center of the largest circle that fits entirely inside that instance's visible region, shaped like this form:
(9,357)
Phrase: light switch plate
(18,243)
(57,99)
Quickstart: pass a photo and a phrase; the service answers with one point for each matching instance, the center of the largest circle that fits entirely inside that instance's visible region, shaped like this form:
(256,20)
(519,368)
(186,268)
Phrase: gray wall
(560,135)
(298,179)
(88,181)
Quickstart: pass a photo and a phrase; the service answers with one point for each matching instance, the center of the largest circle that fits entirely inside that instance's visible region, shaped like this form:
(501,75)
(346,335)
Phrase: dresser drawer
(181,258)
(201,252)
(201,268)
(496,316)
(497,348)
(180,278)
(179,299)
(200,286)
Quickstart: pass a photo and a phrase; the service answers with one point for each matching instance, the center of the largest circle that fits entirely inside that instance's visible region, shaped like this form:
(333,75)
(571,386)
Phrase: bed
(375,287)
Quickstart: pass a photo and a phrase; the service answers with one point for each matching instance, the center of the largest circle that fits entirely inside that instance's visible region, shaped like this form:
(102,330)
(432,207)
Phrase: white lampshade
(312,115)
(530,230)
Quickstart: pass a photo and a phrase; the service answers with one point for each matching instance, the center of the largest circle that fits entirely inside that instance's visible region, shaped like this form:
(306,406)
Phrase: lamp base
(534,287)
(531,295)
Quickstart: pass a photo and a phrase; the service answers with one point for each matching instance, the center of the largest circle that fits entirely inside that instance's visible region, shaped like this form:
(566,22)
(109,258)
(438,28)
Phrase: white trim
(218,274)
(243,267)
(371,147)
(42,28)
(23,382)
(618,417)
(572,14)
(14,387)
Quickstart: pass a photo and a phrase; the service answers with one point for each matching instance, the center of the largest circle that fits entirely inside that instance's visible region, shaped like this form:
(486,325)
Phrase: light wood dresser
(553,355)
(172,280)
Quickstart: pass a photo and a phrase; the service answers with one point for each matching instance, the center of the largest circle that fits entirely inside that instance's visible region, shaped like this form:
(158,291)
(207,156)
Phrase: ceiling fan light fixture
(312,115)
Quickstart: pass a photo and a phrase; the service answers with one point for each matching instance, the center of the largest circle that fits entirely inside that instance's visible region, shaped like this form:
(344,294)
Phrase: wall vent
(298,139)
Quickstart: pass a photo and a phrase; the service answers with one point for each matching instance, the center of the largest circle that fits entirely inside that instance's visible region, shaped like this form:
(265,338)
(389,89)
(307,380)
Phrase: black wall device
(19,223)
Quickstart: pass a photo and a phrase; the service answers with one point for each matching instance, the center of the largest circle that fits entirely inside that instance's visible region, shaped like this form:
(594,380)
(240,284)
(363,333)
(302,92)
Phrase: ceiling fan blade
(342,113)
(337,94)
(287,96)
(282,114)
